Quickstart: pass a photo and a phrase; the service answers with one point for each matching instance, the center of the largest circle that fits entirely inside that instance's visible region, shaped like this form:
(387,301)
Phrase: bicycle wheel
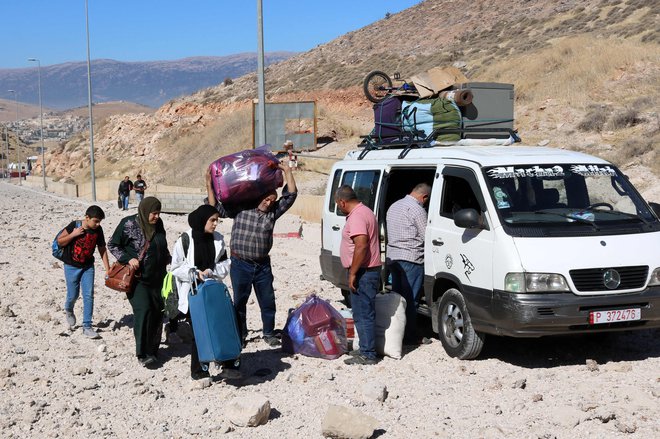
(376,86)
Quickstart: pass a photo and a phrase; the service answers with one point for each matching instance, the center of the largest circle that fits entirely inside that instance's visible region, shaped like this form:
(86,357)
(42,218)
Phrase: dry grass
(195,150)
(624,118)
(595,119)
(641,150)
(572,69)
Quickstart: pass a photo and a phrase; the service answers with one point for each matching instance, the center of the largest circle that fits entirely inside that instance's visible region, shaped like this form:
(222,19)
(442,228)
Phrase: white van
(520,241)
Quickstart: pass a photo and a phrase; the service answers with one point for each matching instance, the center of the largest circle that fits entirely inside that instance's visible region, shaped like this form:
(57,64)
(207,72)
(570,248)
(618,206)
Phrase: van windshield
(558,199)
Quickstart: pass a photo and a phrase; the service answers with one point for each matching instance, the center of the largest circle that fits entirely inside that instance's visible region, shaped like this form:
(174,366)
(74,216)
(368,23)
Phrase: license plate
(615,315)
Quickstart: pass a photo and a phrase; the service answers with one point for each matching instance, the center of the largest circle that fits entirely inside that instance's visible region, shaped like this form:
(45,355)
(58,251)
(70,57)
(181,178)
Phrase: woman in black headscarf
(140,241)
(207,254)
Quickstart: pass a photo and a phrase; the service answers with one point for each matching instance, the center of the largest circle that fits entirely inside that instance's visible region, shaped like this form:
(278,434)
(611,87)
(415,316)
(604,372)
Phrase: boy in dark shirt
(79,244)
(139,186)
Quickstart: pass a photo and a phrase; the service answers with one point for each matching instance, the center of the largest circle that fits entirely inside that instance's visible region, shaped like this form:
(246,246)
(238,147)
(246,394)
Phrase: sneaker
(361,359)
(353,353)
(91,333)
(272,341)
(70,319)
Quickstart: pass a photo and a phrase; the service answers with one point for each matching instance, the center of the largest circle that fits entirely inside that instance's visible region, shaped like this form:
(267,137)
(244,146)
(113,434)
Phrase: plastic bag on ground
(245,176)
(315,329)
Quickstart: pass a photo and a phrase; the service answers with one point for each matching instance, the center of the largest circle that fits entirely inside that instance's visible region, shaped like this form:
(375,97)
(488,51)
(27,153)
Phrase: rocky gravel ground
(56,383)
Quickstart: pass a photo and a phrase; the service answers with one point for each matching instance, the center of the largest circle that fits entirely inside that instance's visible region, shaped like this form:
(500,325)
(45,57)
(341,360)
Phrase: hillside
(103,110)
(585,72)
(148,83)
(25,111)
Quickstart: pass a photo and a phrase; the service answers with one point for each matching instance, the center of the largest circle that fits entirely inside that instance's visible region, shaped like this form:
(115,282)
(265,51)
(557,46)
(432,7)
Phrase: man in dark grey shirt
(251,241)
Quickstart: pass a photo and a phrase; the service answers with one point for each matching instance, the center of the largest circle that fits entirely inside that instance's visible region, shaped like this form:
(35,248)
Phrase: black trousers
(147,307)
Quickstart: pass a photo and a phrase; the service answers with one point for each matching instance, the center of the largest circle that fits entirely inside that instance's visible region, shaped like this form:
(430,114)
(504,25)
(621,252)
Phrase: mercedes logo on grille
(611,279)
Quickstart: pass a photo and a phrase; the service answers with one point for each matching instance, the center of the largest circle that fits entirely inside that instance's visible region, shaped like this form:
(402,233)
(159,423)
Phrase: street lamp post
(89,104)
(261,89)
(41,117)
(18,141)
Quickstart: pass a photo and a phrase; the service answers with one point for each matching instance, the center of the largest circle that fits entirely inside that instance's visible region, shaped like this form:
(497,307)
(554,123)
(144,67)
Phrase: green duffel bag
(446,114)
(426,115)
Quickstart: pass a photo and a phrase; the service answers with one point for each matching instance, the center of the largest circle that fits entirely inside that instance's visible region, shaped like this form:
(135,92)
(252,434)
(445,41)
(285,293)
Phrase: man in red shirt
(360,254)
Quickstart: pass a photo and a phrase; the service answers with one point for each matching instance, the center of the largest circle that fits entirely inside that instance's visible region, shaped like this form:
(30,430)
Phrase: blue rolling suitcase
(214,322)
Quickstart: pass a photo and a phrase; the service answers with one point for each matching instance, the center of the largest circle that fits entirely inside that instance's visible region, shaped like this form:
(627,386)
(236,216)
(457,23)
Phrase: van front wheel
(457,335)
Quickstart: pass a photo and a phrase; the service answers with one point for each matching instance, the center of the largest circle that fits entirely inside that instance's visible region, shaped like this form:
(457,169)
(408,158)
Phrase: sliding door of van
(366,184)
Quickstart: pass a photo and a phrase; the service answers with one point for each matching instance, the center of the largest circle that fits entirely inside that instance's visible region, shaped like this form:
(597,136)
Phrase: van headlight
(535,283)
(655,277)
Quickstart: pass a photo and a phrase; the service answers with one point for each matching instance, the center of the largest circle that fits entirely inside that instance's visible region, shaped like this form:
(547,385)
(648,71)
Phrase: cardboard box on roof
(437,79)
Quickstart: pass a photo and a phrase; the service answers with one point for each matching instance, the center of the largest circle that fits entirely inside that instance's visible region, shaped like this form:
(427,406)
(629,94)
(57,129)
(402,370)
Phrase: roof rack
(415,139)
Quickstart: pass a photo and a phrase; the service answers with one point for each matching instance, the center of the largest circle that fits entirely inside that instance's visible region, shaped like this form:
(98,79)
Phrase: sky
(53,31)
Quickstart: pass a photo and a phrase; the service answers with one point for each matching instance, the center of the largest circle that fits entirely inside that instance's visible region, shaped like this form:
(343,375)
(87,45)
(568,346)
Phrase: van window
(335,186)
(457,194)
(551,199)
(365,184)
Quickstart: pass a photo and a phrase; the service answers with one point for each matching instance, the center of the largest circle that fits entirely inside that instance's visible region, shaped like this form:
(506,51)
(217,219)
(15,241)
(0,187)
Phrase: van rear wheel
(457,335)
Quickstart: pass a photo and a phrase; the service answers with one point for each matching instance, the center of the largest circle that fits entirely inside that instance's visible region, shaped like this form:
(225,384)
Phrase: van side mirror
(468,219)
(656,208)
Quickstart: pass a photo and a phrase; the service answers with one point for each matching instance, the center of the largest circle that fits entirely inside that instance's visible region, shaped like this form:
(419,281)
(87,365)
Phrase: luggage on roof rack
(488,115)
(415,139)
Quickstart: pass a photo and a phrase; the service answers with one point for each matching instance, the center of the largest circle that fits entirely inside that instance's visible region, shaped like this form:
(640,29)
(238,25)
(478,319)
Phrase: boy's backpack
(58,251)
(169,292)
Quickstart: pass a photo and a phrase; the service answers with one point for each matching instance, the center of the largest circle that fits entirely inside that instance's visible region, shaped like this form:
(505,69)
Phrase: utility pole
(18,142)
(7,153)
(89,104)
(41,116)
(261,105)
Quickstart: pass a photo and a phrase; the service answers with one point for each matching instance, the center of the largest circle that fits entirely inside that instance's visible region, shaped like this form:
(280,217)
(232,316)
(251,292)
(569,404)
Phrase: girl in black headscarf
(207,254)
(139,240)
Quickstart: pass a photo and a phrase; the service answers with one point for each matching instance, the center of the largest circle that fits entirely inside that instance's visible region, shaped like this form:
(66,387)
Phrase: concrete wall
(308,207)
(175,199)
(175,202)
(56,187)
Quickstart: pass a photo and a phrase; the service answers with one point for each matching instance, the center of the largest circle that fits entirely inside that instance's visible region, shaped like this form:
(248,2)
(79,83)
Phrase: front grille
(545,311)
(591,279)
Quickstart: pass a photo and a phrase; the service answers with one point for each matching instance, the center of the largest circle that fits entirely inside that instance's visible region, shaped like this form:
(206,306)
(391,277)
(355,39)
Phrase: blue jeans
(245,275)
(363,302)
(139,196)
(77,279)
(125,198)
(407,280)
